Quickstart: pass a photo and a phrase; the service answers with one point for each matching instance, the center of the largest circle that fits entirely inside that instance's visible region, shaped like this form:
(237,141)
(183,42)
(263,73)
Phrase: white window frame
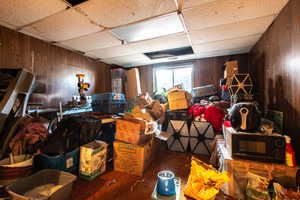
(172,67)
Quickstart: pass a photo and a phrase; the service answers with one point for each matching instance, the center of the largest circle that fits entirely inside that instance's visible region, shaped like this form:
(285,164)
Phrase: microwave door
(252,147)
(249,145)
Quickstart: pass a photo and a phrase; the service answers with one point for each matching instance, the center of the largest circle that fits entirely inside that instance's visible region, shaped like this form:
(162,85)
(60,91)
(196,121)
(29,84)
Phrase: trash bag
(204,181)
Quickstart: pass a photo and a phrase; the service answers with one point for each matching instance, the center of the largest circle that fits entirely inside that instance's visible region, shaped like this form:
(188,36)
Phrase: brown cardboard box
(178,100)
(132,83)
(155,109)
(232,67)
(132,131)
(134,159)
(143,100)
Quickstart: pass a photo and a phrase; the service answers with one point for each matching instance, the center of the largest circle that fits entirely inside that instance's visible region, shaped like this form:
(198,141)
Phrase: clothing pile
(210,113)
(28,139)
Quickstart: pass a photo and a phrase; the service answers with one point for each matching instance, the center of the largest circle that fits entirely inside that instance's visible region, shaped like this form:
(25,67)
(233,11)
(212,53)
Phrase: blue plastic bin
(68,162)
(109,96)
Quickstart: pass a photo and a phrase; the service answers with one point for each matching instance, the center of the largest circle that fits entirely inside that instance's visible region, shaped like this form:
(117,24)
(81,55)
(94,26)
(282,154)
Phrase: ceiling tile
(229,11)
(7,25)
(238,43)
(126,60)
(22,12)
(92,41)
(112,13)
(161,60)
(194,3)
(189,57)
(223,52)
(111,52)
(91,56)
(233,30)
(63,26)
(162,43)
(35,35)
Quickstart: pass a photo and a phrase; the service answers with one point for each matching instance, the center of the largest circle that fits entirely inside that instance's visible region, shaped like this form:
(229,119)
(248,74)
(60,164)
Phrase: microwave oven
(255,146)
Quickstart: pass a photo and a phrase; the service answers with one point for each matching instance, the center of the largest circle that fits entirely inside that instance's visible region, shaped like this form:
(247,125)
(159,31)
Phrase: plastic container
(11,172)
(109,96)
(47,184)
(108,103)
(68,162)
(109,107)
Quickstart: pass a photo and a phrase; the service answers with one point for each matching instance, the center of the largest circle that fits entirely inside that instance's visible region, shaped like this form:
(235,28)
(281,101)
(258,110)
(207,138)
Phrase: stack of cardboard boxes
(134,147)
(231,68)
(135,144)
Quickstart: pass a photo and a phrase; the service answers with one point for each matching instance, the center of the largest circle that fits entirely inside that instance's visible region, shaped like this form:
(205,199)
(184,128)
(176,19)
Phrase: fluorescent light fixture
(152,28)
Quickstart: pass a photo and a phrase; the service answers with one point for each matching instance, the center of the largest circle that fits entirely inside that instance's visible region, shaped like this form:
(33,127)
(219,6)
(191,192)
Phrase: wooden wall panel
(209,70)
(53,66)
(275,62)
(206,70)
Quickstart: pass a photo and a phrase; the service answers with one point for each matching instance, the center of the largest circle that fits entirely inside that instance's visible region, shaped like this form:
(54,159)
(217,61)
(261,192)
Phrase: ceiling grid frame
(181,7)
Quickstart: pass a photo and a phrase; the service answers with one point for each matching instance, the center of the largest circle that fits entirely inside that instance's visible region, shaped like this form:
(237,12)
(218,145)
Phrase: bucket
(11,172)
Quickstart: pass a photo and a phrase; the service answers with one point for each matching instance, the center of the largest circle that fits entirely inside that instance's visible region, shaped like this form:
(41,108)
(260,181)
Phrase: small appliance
(166,183)
(255,146)
(245,116)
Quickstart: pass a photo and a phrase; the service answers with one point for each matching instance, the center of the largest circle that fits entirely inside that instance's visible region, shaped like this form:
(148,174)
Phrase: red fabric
(212,114)
(224,87)
(215,116)
(227,123)
(196,110)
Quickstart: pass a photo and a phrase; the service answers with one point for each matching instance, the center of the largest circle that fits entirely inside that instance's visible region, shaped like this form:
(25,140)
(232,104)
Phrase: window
(168,77)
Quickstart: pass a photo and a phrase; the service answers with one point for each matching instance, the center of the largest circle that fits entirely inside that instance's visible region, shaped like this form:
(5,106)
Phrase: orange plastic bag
(204,181)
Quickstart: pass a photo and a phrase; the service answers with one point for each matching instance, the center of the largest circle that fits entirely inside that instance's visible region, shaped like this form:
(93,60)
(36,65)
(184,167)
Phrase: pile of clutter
(135,144)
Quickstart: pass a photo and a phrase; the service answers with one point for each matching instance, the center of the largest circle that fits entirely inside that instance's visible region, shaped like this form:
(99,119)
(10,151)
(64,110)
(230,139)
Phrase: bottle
(289,153)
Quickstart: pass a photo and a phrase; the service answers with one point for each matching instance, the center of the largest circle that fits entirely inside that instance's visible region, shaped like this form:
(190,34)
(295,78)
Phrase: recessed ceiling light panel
(170,53)
(156,27)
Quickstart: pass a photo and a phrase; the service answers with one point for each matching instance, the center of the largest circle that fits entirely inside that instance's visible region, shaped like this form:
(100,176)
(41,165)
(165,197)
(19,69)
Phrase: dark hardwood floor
(103,188)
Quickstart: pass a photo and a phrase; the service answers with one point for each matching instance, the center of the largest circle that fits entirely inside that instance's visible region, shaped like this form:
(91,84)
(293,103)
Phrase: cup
(166,183)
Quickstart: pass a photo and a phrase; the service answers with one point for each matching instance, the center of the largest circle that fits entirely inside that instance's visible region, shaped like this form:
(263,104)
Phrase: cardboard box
(232,67)
(143,100)
(132,131)
(132,83)
(92,159)
(178,100)
(134,159)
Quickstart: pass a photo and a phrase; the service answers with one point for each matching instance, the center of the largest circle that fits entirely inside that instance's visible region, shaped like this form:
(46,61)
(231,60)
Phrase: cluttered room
(149,99)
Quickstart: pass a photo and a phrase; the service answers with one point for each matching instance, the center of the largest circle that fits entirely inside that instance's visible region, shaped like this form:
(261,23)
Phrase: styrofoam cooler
(180,135)
(201,135)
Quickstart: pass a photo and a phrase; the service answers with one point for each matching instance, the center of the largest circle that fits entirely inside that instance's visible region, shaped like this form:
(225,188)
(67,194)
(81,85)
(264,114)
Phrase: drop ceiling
(211,27)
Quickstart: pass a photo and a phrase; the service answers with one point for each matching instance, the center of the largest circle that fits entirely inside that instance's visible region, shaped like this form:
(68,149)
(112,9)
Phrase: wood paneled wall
(209,70)
(206,70)
(275,63)
(54,67)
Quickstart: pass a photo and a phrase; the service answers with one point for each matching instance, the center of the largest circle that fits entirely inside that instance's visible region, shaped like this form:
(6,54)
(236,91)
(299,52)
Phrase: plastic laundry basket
(48,184)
